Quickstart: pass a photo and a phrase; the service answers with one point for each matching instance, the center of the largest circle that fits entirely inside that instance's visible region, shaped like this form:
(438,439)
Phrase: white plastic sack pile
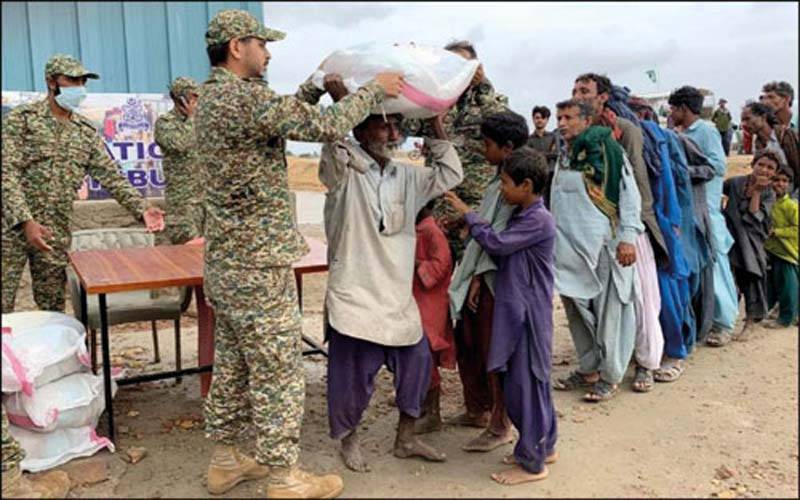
(45,451)
(76,400)
(40,347)
(435,78)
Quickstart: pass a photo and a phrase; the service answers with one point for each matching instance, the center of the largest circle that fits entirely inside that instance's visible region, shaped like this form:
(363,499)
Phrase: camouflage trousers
(48,271)
(258,380)
(12,451)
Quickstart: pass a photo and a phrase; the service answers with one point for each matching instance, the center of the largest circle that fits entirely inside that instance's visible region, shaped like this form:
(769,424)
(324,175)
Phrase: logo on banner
(133,116)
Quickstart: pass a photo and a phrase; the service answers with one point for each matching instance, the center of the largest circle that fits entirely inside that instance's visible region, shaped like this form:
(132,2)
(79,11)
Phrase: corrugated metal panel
(135,46)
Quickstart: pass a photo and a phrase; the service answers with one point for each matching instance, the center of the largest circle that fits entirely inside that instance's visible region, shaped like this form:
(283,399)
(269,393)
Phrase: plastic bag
(44,451)
(76,400)
(435,78)
(40,347)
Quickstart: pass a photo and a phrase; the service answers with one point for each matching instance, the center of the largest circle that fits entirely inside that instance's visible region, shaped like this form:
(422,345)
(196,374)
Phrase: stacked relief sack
(435,78)
(51,398)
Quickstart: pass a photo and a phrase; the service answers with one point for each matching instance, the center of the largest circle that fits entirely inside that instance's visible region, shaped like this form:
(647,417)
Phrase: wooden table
(122,270)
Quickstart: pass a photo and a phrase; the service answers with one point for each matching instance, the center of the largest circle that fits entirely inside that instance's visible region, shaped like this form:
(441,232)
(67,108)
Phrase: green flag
(651,73)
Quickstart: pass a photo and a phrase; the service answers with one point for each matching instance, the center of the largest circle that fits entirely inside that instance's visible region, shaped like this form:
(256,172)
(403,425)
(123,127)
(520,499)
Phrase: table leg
(316,347)
(85,321)
(205,338)
(107,367)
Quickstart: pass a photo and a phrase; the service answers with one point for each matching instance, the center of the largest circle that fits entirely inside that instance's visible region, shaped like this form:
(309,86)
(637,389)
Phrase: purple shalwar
(522,328)
(352,366)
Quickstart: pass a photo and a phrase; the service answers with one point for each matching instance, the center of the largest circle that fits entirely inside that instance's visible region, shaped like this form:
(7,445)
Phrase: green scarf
(599,157)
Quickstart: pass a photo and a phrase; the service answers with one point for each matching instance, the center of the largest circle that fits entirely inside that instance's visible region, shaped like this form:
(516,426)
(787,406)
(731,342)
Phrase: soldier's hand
(392,83)
(38,235)
(335,86)
(154,219)
(196,241)
(626,254)
(187,106)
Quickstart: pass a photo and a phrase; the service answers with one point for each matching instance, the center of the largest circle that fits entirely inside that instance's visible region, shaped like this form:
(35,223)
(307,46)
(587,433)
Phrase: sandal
(670,371)
(642,380)
(718,338)
(571,382)
(601,391)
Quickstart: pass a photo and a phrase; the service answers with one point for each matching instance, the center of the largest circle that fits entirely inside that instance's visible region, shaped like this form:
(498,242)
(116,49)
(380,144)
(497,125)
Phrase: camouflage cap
(183,85)
(232,23)
(62,64)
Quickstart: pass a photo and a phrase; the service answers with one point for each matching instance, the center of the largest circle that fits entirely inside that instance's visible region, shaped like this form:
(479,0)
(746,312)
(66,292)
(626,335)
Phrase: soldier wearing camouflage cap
(175,135)
(48,149)
(250,244)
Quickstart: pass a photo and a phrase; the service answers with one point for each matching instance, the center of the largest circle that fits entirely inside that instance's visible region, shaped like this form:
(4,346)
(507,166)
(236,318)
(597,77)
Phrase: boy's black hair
(688,96)
(527,163)
(428,206)
(787,171)
(544,111)
(506,127)
(772,155)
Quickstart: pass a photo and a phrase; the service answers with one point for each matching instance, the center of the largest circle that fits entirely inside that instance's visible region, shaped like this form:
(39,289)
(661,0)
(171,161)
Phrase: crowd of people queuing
(452,265)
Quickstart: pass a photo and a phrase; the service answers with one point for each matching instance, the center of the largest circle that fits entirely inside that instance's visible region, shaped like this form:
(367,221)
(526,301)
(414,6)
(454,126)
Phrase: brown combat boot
(53,484)
(229,467)
(297,483)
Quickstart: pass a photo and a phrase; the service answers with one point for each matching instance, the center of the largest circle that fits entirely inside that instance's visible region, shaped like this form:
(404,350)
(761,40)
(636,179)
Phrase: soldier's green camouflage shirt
(44,162)
(463,127)
(242,127)
(183,173)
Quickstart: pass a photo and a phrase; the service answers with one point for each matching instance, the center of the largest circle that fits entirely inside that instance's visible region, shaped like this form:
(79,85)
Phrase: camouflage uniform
(463,127)
(44,162)
(251,242)
(174,134)
(12,451)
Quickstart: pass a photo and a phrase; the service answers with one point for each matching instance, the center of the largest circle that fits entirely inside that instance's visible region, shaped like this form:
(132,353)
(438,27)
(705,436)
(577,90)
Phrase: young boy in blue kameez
(522,325)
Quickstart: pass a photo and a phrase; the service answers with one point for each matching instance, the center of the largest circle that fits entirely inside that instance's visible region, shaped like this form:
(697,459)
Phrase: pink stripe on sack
(22,421)
(420,98)
(84,359)
(19,371)
(6,330)
(104,442)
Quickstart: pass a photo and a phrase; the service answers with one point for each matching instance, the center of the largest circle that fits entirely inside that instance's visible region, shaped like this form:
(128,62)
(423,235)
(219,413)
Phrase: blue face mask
(71,97)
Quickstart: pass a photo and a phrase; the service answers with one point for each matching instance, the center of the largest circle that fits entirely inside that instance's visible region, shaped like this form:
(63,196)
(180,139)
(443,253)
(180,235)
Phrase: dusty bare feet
(744,333)
(518,475)
(428,423)
(510,460)
(351,453)
(415,448)
(487,441)
(467,420)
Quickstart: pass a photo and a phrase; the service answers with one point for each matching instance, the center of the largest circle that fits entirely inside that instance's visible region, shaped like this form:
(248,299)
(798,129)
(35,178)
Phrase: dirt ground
(728,428)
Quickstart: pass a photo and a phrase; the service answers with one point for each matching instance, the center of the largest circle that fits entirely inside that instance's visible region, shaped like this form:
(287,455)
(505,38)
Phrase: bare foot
(744,333)
(467,420)
(518,475)
(510,460)
(430,422)
(416,448)
(351,453)
(487,441)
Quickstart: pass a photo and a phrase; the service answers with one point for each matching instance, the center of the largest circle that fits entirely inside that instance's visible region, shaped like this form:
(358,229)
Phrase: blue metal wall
(136,47)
